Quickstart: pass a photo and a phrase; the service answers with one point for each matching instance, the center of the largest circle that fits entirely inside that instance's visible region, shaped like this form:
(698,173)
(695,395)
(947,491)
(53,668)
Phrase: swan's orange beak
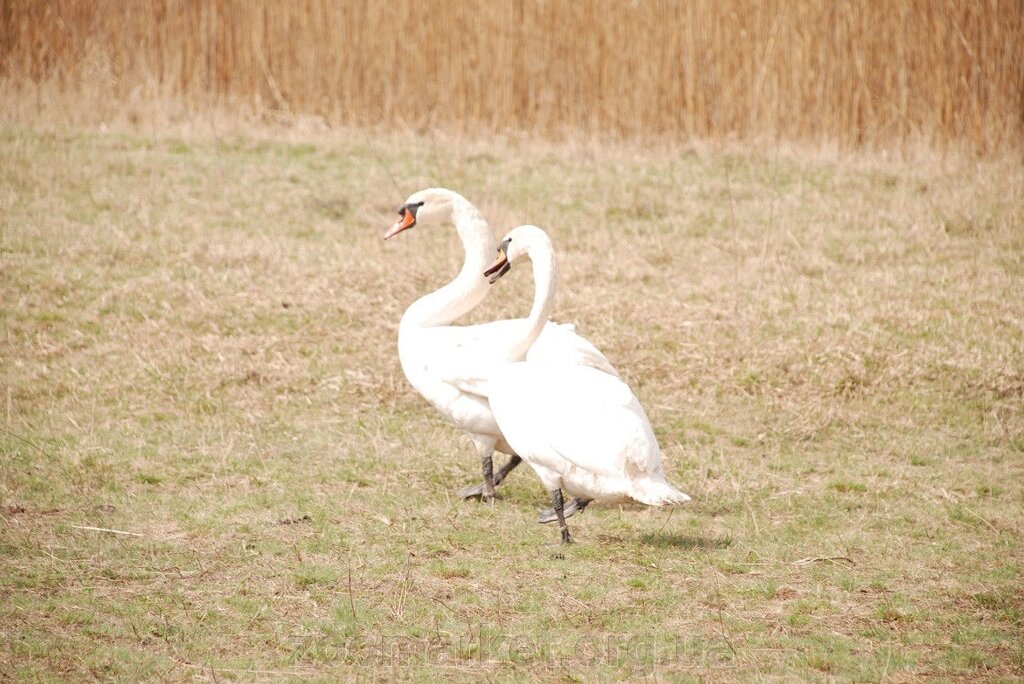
(406,220)
(499,268)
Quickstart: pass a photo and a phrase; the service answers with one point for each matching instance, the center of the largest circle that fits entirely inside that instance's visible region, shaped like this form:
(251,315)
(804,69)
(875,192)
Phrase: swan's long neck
(544,285)
(469,288)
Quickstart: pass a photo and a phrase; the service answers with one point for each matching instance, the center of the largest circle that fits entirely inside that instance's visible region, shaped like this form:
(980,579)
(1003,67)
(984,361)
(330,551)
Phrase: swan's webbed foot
(574,506)
(477,491)
(558,503)
(471,491)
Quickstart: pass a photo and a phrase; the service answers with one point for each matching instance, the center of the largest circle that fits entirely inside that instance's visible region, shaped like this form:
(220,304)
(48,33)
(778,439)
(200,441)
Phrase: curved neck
(469,288)
(544,286)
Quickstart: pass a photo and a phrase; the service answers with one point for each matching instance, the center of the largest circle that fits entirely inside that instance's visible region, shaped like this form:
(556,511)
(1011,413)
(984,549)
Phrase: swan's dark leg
(575,506)
(558,504)
(509,466)
(476,491)
(487,463)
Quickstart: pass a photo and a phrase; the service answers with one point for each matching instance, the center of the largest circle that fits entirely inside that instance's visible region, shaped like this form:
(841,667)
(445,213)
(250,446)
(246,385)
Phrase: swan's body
(436,360)
(580,430)
(436,356)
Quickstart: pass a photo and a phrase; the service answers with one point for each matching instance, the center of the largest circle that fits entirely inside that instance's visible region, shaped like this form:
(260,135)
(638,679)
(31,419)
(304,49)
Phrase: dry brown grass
(199,346)
(859,73)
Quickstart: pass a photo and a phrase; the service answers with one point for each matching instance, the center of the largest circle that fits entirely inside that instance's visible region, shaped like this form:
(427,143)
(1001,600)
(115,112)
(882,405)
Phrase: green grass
(198,347)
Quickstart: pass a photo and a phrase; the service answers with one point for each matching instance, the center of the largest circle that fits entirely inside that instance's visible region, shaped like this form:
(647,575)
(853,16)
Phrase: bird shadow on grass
(684,541)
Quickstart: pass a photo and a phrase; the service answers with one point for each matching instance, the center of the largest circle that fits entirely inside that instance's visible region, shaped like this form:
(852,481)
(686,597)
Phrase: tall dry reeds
(860,73)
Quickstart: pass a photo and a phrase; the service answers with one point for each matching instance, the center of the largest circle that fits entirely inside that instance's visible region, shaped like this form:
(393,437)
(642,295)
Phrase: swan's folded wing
(466,356)
(468,351)
(469,378)
(561,344)
(585,416)
(558,343)
(462,356)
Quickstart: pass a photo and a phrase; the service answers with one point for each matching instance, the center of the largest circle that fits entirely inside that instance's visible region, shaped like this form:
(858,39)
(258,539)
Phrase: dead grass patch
(198,347)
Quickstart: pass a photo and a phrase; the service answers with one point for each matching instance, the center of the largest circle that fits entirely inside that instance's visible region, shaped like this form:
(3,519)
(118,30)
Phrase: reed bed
(861,74)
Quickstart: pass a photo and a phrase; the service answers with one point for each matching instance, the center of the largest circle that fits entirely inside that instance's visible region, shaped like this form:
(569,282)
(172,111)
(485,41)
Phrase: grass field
(198,348)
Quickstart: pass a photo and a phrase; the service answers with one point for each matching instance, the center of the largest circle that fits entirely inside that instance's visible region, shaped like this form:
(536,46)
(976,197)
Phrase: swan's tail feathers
(658,493)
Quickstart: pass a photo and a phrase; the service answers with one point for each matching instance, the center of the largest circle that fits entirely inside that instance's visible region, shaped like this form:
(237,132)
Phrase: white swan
(579,429)
(436,356)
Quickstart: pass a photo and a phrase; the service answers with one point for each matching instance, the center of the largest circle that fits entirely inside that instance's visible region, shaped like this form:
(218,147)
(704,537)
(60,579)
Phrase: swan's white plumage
(445,363)
(439,359)
(579,428)
(560,344)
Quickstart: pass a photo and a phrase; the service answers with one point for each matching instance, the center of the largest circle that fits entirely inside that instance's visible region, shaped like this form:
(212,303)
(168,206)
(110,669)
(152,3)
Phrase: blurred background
(853,73)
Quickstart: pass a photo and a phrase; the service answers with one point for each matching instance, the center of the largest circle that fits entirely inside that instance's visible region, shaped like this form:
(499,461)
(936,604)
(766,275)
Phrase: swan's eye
(503,247)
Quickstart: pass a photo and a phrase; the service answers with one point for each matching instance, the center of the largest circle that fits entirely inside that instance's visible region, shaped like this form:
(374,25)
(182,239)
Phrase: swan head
(524,242)
(432,206)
